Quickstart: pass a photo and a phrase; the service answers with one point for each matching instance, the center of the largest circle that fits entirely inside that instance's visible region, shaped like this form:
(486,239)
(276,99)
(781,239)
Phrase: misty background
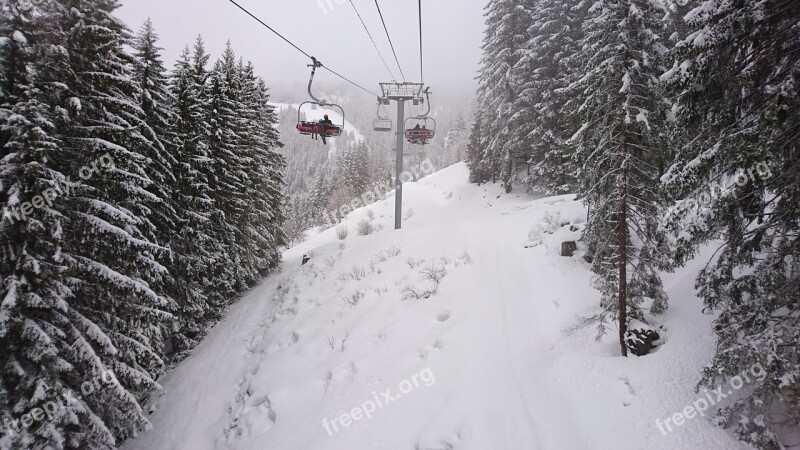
(331,31)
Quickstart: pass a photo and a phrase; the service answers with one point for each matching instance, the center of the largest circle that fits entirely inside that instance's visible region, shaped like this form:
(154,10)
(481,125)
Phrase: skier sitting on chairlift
(324,124)
(416,135)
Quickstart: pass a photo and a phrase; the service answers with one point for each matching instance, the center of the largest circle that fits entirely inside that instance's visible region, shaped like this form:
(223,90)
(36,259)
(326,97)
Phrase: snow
(318,340)
(18,36)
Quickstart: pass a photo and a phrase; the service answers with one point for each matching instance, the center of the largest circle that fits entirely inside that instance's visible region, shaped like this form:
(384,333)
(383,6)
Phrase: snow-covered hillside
(483,363)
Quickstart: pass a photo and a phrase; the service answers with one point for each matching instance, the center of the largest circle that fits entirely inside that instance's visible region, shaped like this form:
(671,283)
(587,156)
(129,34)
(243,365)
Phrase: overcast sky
(329,30)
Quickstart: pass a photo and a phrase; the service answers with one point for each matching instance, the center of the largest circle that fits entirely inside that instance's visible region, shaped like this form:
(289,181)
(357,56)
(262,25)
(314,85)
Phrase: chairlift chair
(382,124)
(308,127)
(422,135)
(421,129)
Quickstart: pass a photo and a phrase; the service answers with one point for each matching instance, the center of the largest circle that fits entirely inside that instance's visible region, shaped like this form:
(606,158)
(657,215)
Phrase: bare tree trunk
(622,243)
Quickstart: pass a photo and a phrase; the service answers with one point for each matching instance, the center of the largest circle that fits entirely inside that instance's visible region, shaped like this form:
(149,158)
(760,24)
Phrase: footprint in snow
(628,396)
(443,317)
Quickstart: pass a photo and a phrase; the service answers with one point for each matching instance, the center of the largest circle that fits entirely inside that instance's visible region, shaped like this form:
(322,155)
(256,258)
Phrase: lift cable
(373,41)
(301,50)
(421,77)
(390,41)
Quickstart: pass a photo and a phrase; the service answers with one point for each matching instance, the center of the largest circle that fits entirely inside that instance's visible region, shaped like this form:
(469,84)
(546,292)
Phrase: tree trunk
(622,243)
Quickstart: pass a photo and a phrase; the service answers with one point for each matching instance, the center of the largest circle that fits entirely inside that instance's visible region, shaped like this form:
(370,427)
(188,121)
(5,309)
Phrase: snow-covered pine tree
(36,322)
(320,197)
(616,101)
(156,102)
(79,297)
(230,160)
(263,221)
(479,170)
(193,246)
(735,75)
(116,279)
(507,22)
(354,168)
(547,67)
(455,143)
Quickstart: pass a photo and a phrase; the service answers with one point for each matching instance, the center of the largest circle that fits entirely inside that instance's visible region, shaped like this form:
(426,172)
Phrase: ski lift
(421,129)
(382,124)
(313,128)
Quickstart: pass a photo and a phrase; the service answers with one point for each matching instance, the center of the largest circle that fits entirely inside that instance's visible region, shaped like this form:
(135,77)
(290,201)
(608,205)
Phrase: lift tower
(401,93)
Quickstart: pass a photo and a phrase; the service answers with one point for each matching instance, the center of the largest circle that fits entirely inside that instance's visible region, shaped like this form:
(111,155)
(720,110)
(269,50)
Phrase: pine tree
(80,273)
(156,102)
(735,75)
(193,245)
(229,160)
(617,102)
(264,174)
(354,168)
(35,316)
(456,141)
(507,22)
(547,67)
(479,171)
(108,243)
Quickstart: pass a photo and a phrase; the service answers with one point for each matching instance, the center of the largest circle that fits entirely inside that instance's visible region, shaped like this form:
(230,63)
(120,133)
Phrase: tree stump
(568,248)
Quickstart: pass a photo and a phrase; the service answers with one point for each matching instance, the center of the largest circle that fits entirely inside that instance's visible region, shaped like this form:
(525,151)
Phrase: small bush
(413,262)
(341,232)
(434,274)
(365,228)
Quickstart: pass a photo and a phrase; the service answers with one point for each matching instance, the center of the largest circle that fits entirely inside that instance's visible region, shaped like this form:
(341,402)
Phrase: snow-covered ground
(483,364)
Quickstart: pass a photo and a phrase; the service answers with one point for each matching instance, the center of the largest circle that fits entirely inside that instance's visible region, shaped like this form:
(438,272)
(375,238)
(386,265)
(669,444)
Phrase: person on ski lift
(323,125)
(416,135)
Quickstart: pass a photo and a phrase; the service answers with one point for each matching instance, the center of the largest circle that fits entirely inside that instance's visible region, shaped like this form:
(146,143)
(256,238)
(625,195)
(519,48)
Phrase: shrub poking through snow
(365,228)
(341,232)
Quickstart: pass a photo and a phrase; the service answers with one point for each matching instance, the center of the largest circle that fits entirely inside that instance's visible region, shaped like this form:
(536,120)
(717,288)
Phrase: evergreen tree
(227,184)
(735,75)
(354,168)
(108,245)
(264,175)
(547,67)
(479,170)
(80,272)
(507,22)
(193,245)
(36,321)
(157,103)
(616,100)
(456,141)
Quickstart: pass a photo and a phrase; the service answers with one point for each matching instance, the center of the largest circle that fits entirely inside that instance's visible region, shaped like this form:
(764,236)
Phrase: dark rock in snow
(641,339)
(568,248)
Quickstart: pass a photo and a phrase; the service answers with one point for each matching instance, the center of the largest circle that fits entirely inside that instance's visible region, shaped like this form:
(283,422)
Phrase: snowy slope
(483,364)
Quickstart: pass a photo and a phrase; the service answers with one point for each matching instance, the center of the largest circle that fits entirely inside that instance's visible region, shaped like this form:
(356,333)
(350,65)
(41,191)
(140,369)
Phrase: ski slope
(484,364)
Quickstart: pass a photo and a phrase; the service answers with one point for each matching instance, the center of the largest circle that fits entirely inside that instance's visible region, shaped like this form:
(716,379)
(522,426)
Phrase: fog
(331,31)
